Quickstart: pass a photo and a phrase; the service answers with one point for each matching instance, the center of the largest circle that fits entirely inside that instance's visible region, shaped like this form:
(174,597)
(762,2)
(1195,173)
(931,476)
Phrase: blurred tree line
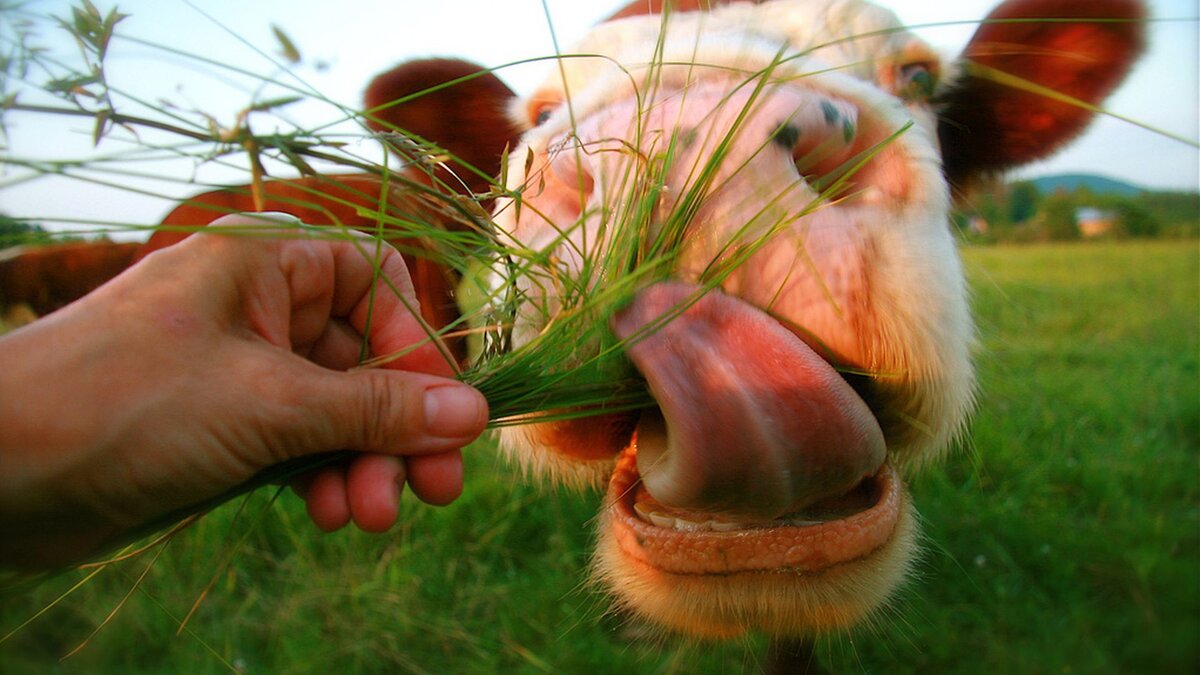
(15,232)
(23,232)
(1022,211)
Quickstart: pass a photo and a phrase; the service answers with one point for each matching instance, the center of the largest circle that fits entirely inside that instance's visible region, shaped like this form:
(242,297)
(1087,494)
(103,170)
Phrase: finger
(291,287)
(278,285)
(292,283)
(373,485)
(376,293)
(339,347)
(383,411)
(326,501)
(362,264)
(436,479)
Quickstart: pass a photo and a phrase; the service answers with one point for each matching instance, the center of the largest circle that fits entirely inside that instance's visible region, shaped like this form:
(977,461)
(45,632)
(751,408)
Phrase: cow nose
(568,183)
(820,134)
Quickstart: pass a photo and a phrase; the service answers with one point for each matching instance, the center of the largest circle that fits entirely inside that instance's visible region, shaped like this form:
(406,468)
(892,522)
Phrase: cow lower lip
(796,543)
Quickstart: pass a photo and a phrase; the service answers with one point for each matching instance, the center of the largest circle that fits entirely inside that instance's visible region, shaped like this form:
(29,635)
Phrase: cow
(797,385)
(808,343)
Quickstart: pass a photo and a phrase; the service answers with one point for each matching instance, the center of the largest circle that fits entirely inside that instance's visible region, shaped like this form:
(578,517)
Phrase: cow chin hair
(782,604)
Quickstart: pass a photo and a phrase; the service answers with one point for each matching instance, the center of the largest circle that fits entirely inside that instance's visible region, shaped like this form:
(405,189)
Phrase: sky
(345,43)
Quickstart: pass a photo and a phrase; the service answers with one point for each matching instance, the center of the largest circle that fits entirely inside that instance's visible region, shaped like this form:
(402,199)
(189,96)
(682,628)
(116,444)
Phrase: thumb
(388,411)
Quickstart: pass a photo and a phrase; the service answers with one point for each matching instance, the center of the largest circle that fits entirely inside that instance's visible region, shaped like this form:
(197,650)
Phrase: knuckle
(388,414)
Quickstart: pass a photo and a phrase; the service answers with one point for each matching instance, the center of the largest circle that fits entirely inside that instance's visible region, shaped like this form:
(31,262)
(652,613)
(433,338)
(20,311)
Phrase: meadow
(1063,536)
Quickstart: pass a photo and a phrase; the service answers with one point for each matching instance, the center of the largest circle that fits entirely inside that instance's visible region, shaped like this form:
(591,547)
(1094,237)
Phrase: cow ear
(1028,80)
(463,111)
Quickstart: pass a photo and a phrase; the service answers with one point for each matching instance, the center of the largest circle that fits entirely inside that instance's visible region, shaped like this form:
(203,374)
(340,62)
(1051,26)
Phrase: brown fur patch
(466,118)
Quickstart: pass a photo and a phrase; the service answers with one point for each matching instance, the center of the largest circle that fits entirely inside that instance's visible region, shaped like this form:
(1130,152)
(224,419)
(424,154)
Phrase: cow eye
(916,81)
(540,111)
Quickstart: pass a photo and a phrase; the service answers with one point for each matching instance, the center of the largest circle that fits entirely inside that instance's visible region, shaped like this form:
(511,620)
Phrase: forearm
(45,442)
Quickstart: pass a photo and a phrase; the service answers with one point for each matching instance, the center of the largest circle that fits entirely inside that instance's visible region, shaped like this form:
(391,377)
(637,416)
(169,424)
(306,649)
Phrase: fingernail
(258,218)
(278,216)
(453,410)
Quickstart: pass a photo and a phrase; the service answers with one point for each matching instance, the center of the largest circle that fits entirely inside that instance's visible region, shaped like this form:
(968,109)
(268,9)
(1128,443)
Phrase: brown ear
(467,118)
(987,125)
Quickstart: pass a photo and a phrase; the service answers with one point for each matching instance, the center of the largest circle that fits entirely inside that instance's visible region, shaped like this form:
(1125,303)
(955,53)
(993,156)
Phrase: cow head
(808,343)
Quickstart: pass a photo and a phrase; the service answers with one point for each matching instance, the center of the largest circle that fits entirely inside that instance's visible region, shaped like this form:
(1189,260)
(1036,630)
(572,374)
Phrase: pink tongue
(754,423)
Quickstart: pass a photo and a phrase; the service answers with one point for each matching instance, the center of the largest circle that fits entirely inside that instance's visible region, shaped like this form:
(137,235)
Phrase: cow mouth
(829,533)
(760,456)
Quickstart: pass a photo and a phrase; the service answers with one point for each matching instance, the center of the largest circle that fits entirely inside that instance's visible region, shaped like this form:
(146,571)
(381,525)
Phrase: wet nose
(815,132)
(568,184)
(819,133)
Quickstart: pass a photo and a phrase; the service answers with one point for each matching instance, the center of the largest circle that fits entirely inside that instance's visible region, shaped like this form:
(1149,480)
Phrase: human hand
(208,362)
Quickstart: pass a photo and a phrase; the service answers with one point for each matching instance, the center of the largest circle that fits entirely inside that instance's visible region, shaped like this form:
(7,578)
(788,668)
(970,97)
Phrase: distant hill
(1097,184)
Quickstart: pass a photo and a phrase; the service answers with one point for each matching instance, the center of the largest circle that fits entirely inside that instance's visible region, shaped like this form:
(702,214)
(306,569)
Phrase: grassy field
(1064,538)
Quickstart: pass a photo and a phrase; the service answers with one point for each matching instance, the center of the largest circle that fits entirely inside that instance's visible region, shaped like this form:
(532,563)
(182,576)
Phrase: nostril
(838,119)
(786,135)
